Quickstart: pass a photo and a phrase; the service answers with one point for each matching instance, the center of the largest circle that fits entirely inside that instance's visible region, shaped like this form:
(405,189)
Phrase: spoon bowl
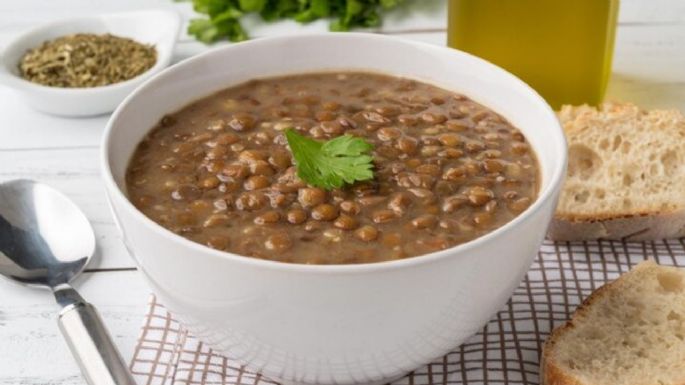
(45,240)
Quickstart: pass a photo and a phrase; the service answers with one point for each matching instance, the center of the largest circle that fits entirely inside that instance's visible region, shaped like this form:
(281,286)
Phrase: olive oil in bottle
(562,48)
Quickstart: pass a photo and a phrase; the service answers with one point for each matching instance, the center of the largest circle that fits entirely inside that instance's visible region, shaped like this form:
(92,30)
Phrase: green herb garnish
(224,15)
(332,163)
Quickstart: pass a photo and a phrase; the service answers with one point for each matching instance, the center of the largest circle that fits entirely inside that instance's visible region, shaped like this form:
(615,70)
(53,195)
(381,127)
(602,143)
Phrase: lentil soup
(446,170)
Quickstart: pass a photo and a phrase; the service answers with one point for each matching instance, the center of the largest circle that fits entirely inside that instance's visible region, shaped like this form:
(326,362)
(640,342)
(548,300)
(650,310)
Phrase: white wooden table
(649,69)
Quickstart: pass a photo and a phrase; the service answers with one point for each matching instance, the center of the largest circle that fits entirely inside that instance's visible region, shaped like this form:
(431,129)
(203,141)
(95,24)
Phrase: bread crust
(550,372)
(555,376)
(636,227)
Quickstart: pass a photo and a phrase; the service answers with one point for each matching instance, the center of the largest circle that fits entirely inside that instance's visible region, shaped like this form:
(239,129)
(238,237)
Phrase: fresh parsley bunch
(224,15)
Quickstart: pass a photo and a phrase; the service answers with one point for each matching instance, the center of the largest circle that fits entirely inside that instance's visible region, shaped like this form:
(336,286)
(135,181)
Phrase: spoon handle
(92,346)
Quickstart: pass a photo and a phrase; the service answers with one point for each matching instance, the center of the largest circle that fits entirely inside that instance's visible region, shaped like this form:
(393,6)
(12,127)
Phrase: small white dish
(157,27)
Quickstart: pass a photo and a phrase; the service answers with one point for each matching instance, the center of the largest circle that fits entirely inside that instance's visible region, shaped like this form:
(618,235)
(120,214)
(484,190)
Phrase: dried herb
(86,60)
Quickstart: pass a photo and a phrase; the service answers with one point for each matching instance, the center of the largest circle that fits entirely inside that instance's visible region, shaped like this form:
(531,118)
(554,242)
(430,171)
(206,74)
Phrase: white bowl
(157,27)
(345,324)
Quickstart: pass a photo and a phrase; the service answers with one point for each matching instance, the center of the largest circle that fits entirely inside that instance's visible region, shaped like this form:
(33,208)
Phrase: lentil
(367,233)
(297,216)
(345,222)
(325,212)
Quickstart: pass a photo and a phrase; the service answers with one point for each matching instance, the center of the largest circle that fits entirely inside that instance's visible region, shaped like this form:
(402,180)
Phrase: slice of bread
(626,174)
(628,332)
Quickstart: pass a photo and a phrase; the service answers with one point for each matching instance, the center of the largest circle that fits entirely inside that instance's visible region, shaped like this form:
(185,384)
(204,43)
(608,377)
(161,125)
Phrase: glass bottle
(562,48)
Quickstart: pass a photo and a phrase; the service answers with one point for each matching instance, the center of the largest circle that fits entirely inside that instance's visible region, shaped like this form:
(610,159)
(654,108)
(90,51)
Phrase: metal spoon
(46,241)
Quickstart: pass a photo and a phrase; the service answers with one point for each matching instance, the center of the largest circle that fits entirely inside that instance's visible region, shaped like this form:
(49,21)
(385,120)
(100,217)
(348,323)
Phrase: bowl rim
(544,195)
(15,81)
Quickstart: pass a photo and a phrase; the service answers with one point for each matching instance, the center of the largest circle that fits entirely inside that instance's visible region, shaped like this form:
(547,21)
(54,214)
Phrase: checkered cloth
(506,351)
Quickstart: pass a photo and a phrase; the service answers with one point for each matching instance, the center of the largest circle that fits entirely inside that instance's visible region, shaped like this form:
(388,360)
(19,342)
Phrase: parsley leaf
(223,16)
(332,163)
(223,19)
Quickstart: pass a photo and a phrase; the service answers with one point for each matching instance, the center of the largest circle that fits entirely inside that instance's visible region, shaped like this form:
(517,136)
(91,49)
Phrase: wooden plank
(23,127)
(22,14)
(33,350)
(652,11)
